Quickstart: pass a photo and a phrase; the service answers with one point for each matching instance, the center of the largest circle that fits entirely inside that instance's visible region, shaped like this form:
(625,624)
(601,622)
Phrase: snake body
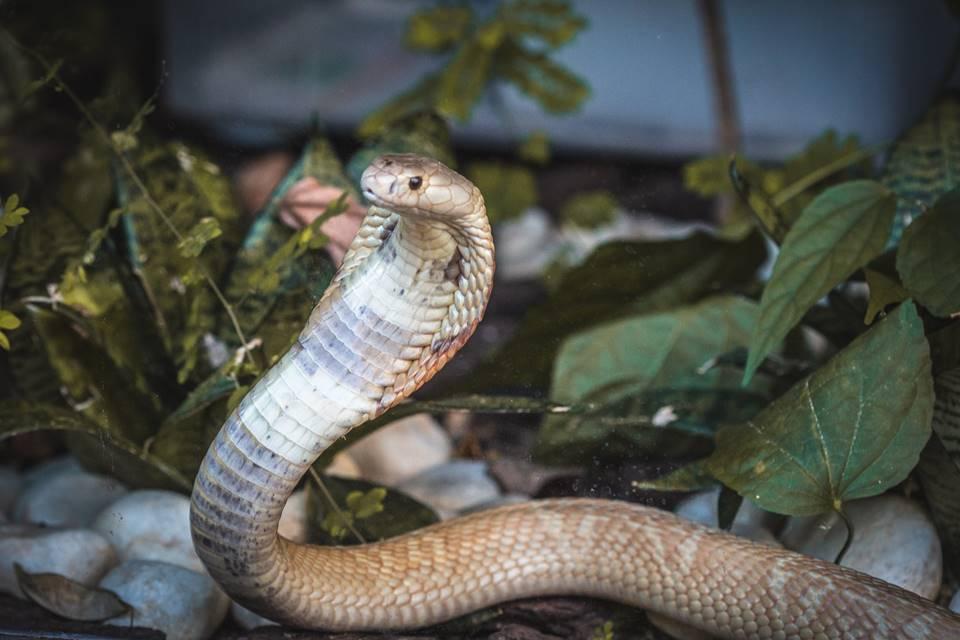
(411,290)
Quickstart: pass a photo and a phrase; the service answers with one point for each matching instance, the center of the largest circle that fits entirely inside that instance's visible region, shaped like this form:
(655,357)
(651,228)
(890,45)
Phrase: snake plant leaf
(843,229)
(68,598)
(939,467)
(618,279)
(508,189)
(438,28)
(690,477)
(114,454)
(925,163)
(928,260)
(884,291)
(852,429)
(92,381)
(374,512)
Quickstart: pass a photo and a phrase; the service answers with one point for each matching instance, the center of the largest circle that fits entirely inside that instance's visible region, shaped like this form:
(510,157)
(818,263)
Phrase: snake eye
(415,183)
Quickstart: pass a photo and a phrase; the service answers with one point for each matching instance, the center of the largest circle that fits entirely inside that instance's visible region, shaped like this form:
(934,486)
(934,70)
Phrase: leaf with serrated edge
(928,259)
(843,229)
(852,429)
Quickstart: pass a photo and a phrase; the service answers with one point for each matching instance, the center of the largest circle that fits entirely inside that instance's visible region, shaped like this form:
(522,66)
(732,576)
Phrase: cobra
(411,290)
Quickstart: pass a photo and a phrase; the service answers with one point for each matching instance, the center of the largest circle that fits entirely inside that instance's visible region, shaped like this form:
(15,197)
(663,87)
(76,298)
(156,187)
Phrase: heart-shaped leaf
(928,259)
(850,430)
(844,228)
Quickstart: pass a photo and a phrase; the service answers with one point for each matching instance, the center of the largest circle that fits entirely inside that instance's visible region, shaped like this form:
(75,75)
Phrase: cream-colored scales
(409,293)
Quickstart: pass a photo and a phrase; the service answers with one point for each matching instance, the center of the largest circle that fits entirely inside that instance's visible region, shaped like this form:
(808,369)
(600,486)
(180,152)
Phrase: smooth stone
(894,540)
(184,604)
(80,554)
(10,484)
(150,525)
(401,450)
(293,518)
(65,497)
(343,466)
(452,487)
(751,521)
(50,468)
(526,245)
(955,602)
(248,619)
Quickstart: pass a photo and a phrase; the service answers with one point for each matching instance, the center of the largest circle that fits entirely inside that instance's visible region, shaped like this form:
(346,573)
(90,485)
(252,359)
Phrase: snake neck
(410,293)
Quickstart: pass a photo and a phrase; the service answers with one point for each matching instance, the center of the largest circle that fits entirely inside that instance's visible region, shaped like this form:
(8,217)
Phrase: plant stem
(333,504)
(785,195)
(133,175)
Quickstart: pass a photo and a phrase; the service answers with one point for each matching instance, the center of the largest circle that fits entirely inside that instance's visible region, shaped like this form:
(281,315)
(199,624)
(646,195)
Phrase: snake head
(417,186)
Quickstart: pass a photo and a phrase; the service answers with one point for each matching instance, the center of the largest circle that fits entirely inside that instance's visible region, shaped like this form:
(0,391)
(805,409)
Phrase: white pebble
(150,525)
(79,554)
(401,450)
(184,604)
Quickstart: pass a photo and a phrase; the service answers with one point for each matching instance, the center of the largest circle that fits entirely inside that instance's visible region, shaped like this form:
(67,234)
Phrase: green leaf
(852,429)
(464,79)
(646,375)
(11,215)
(91,379)
(551,21)
(928,259)
(379,514)
(8,320)
(844,228)
(590,209)
(438,28)
(508,190)
(535,148)
(664,349)
(365,504)
(557,89)
(691,477)
(618,279)
(925,163)
(884,291)
(118,456)
(68,598)
(197,238)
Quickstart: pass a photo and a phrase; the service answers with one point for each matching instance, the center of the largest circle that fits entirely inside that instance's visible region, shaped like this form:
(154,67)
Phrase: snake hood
(422,187)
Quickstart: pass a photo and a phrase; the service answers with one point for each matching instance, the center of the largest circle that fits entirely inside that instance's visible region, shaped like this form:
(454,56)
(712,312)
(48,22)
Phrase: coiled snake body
(410,292)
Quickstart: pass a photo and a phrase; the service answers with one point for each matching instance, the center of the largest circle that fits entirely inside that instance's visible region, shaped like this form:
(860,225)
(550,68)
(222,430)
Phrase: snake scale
(410,292)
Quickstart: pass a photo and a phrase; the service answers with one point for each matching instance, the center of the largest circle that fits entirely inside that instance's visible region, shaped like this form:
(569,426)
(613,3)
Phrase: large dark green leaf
(92,380)
(636,369)
(619,279)
(115,455)
(928,259)
(844,228)
(400,513)
(624,423)
(925,163)
(852,429)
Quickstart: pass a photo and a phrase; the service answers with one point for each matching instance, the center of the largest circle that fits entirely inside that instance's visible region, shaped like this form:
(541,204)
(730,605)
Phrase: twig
(333,503)
(850,534)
